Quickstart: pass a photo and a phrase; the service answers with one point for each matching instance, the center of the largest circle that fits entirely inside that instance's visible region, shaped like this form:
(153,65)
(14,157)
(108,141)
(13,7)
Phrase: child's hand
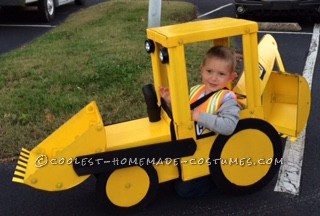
(195,115)
(165,94)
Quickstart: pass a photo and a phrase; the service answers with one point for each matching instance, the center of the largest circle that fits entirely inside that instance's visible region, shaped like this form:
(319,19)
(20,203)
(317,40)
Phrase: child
(219,113)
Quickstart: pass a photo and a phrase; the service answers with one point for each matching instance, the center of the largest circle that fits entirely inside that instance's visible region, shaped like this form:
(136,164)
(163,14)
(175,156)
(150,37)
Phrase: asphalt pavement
(23,26)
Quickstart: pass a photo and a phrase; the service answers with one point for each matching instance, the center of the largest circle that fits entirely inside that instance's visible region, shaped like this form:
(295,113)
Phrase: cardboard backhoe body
(280,100)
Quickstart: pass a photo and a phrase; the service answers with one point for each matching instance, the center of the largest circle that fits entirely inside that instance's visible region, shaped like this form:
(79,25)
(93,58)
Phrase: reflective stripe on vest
(212,104)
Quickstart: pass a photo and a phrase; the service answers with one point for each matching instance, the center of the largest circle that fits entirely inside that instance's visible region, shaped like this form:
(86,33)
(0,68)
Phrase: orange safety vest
(211,105)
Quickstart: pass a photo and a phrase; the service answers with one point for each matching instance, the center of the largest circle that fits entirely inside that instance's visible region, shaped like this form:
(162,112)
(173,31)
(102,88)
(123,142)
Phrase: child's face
(216,74)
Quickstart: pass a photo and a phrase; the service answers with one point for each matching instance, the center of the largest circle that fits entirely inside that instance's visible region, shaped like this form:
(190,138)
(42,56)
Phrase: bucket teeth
(17,179)
(20,171)
(23,159)
(19,174)
(25,151)
(19,168)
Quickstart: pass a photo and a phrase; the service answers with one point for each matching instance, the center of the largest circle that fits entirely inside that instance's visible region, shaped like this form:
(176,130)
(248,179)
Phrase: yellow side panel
(168,170)
(136,133)
(197,165)
(142,132)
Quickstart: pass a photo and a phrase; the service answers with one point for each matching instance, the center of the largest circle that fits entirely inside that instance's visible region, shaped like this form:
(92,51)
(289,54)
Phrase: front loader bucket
(286,103)
(49,165)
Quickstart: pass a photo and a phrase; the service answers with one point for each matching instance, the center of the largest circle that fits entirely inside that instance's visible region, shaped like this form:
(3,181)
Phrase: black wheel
(127,189)
(247,160)
(46,10)
(80,2)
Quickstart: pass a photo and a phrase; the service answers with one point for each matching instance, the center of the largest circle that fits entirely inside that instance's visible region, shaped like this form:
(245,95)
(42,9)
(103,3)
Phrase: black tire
(80,2)
(46,9)
(129,181)
(247,176)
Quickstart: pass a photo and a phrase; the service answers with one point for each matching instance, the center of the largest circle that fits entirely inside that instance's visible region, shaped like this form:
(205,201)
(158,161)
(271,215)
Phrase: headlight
(164,56)
(149,45)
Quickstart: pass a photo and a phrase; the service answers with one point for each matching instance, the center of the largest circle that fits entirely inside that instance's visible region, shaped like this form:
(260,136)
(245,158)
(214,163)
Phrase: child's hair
(222,52)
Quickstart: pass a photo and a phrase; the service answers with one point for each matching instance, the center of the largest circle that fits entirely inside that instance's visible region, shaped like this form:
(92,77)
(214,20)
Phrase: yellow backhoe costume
(131,159)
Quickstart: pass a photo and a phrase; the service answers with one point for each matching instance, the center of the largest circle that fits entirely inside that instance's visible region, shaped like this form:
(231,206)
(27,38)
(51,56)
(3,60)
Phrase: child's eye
(222,74)
(209,71)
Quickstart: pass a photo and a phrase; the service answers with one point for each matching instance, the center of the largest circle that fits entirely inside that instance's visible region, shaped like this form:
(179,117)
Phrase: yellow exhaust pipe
(49,165)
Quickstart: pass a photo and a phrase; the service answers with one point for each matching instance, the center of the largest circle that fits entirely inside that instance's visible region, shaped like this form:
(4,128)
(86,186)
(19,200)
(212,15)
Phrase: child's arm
(165,94)
(224,121)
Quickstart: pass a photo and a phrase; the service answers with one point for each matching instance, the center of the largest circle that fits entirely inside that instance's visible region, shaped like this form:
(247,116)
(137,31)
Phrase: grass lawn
(97,54)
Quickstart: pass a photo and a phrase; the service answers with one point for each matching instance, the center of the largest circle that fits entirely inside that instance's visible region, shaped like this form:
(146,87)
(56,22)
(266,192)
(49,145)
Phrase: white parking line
(286,32)
(34,26)
(290,171)
(219,8)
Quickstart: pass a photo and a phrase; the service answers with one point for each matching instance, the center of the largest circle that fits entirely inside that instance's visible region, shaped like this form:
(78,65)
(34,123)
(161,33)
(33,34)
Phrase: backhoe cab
(131,159)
